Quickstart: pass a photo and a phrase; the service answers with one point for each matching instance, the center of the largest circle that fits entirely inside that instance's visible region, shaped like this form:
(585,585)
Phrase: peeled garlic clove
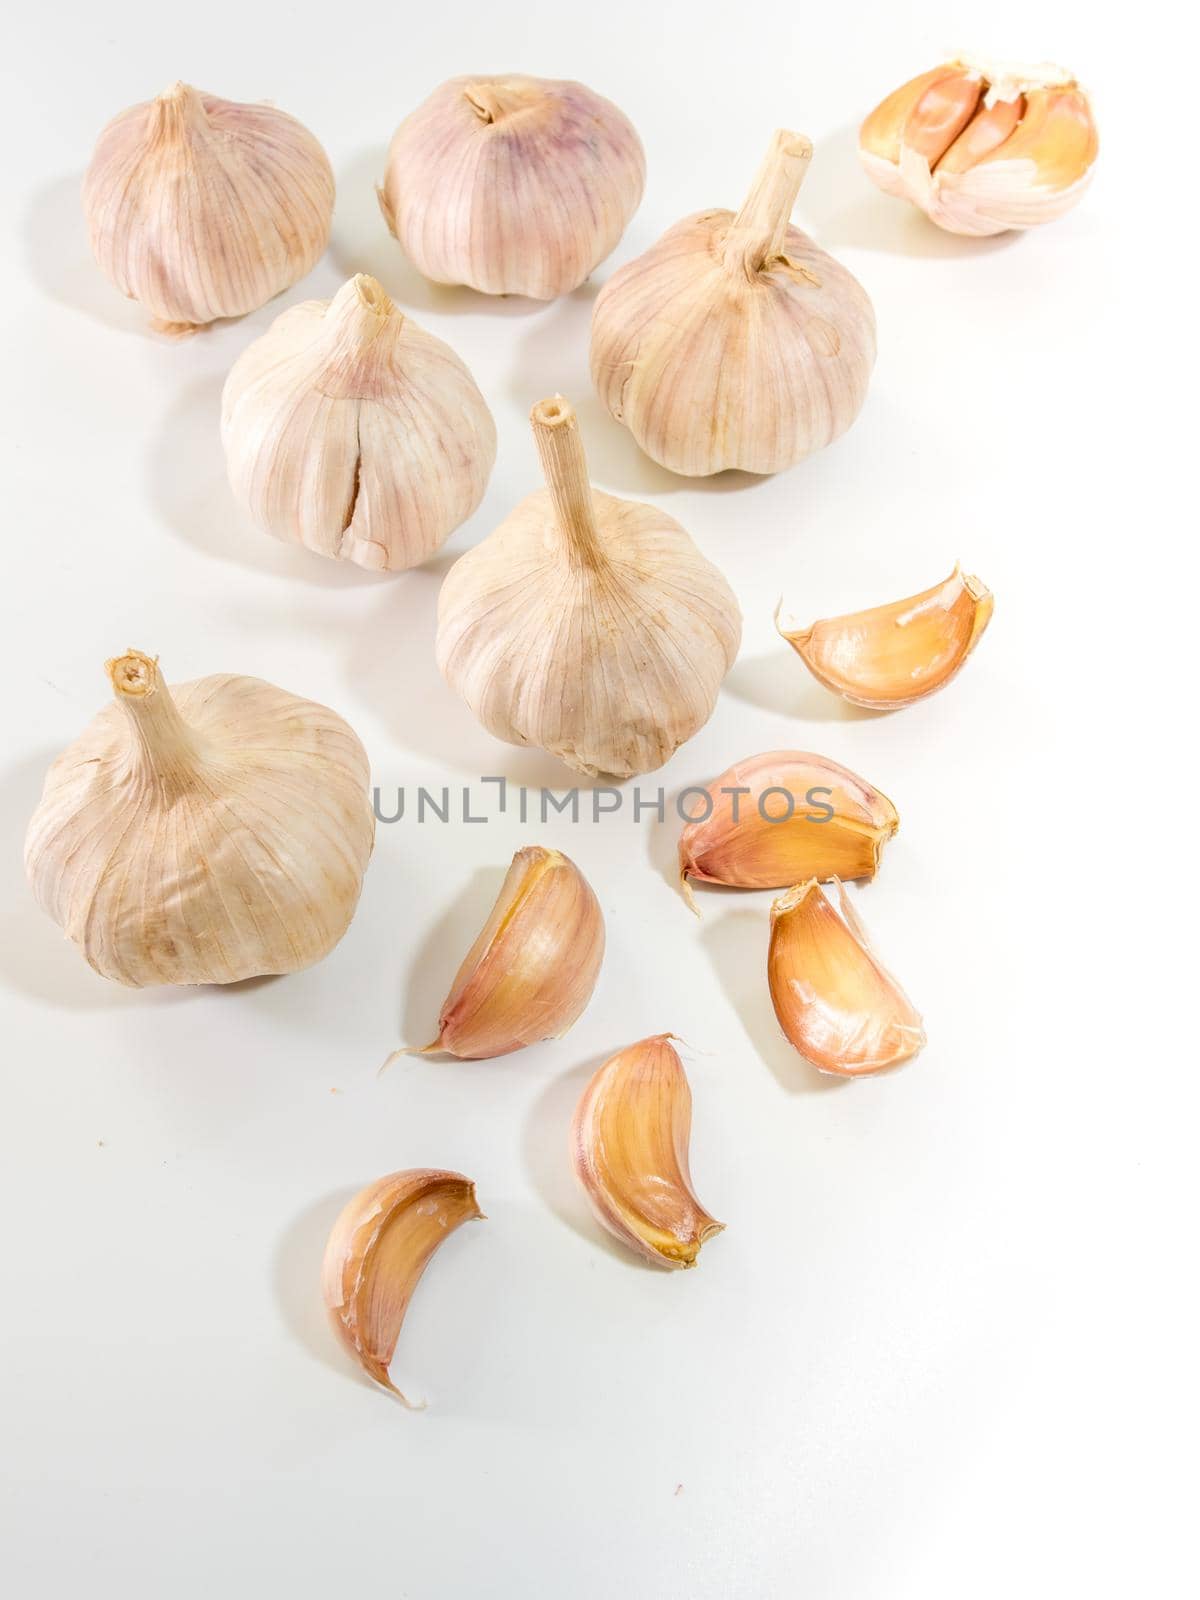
(629,1148)
(531,971)
(981,148)
(895,655)
(200,208)
(353,432)
(204,834)
(836,1004)
(379,1247)
(511,184)
(782,818)
(588,626)
(734,341)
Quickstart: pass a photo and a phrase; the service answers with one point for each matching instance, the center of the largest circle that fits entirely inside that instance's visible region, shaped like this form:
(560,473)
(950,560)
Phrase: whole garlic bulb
(201,208)
(734,341)
(350,430)
(588,626)
(982,149)
(213,832)
(512,185)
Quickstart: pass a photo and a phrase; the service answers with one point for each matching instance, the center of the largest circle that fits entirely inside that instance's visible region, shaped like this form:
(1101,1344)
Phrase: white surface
(941,1348)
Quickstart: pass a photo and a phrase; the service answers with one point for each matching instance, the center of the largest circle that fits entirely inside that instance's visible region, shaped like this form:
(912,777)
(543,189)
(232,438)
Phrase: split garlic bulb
(983,149)
(200,208)
(353,432)
(734,341)
(588,626)
(512,185)
(204,834)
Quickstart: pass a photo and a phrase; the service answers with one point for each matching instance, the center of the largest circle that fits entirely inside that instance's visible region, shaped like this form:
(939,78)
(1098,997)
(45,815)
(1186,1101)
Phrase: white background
(946,1345)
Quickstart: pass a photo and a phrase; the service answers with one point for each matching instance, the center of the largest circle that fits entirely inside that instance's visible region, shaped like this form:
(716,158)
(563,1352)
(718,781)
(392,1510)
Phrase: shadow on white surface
(780,682)
(297,1281)
(431,970)
(62,264)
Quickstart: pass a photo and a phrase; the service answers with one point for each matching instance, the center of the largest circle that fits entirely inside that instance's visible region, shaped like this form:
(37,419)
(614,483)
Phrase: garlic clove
(350,430)
(782,818)
(200,208)
(587,626)
(530,973)
(836,1004)
(734,341)
(379,1247)
(894,655)
(629,1149)
(512,184)
(215,831)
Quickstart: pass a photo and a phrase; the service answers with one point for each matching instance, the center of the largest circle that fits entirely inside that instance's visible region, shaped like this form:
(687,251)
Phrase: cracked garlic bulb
(200,208)
(215,831)
(350,430)
(588,626)
(734,341)
(512,184)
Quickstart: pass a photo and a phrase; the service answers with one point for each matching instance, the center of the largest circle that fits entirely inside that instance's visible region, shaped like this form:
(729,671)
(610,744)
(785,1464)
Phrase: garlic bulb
(512,185)
(531,971)
(784,817)
(378,1249)
(201,208)
(896,654)
(353,432)
(629,1149)
(982,149)
(204,834)
(588,626)
(734,341)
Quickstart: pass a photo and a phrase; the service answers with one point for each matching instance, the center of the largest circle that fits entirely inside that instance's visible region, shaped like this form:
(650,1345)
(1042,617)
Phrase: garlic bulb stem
(492,102)
(359,339)
(165,754)
(759,231)
(564,466)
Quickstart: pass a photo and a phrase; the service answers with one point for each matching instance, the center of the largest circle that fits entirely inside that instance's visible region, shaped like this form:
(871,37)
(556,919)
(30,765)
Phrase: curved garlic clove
(982,149)
(512,184)
(200,208)
(836,1004)
(588,626)
(215,831)
(896,654)
(530,973)
(379,1247)
(350,430)
(629,1149)
(782,818)
(734,341)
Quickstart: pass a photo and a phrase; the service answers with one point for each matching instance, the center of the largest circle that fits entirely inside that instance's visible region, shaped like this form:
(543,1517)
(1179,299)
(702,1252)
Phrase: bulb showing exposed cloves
(530,973)
(782,818)
(629,1148)
(734,341)
(982,148)
(200,208)
(350,430)
(836,1003)
(894,655)
(379,1247)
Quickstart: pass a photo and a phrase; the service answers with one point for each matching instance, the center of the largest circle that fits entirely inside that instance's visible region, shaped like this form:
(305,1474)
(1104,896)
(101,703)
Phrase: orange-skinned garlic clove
(836,1003)
(896,654)
(629,1149)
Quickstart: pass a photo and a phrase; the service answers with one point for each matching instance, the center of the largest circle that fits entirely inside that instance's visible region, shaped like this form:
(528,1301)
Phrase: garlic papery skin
(511,184)
(734,341)
(835,1002)
(353,432)
(629,1149)
(215,831)
(982,149)
(200,208)
(530,973)
(782,818)
(588,626)
(897,654)
(379,1247)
